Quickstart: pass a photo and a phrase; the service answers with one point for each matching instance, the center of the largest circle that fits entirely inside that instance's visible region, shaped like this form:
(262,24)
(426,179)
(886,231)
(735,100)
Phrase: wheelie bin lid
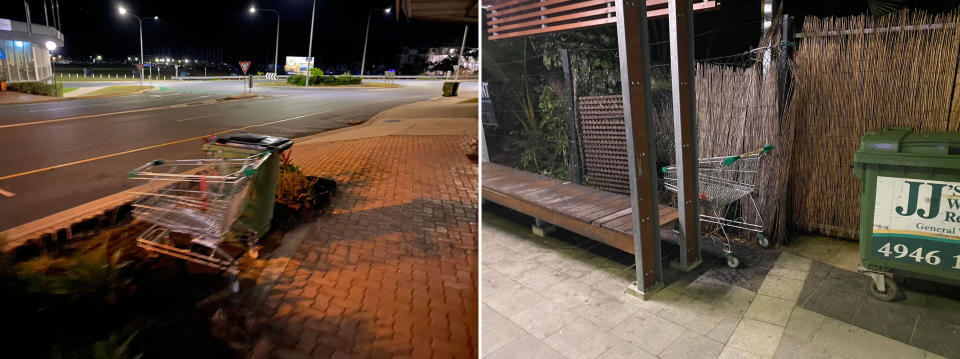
(901,146)
(256,141)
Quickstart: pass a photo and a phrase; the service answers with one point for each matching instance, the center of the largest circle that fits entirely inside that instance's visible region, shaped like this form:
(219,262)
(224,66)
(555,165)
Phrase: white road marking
(49,109)
(174,94)
(6,193)
(196,117)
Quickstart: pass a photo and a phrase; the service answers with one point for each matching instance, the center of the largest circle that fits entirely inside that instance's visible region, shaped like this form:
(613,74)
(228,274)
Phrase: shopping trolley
(722,182)
(194,206)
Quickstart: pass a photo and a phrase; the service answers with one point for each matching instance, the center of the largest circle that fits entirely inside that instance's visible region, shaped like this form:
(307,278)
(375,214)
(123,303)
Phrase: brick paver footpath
(391,269)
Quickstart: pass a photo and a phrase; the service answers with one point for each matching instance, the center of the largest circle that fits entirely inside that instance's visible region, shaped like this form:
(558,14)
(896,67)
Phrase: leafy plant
(880,8)
(36,88)
(92,277)
(316,72)
(112,348)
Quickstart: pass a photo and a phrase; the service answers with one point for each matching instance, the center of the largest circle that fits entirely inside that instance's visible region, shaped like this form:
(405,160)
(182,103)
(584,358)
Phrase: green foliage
(295,80)
(316,72)
(543,140)
(93,277)
(880,8)
(330,80)
(112,348)
(593,58)
(36,88)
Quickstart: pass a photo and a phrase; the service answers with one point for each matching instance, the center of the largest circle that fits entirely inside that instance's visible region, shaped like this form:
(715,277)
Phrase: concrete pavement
(58,155)
(563,296)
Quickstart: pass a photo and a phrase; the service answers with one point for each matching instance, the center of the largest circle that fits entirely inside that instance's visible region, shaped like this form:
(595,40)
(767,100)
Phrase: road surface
(57,155)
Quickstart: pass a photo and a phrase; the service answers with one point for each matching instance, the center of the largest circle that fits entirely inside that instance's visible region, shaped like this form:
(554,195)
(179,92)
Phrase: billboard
(296,64)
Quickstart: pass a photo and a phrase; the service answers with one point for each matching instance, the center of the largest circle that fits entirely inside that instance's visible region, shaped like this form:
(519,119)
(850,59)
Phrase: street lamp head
(99,57)
(51,45)
(386,11)
(122,10)
(253,10)
(156,17)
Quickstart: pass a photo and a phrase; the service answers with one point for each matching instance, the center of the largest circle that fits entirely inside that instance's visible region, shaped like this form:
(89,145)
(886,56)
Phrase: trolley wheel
(253,252)
(763,241)
(733,262)
(891,294)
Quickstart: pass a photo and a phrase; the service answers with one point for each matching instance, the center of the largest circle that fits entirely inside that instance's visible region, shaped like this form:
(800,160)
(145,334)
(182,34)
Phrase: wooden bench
(602,216)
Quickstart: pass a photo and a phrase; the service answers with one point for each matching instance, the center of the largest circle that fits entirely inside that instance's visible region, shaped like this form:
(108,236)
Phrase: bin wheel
(891,294)
(763,241)
(733,262)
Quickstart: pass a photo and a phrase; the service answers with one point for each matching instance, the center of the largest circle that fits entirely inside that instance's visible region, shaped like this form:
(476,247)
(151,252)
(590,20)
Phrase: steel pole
(366,37)
(46,19)
(313,12)
(456,73)
(683,79)
(59,24)
(140,22)
(641,147)
(276,48)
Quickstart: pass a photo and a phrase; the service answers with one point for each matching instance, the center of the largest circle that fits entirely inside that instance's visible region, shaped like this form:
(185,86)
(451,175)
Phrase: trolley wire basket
(199,199)
(723,181)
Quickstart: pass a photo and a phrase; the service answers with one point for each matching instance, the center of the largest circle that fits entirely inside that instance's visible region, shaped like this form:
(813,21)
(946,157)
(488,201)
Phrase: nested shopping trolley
(722,182)
(194,206)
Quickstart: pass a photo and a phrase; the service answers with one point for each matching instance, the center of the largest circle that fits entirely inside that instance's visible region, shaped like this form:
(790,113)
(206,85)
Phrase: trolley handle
(730,160)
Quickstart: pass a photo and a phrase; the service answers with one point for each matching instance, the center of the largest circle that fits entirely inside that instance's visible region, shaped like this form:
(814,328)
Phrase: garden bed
(96,294)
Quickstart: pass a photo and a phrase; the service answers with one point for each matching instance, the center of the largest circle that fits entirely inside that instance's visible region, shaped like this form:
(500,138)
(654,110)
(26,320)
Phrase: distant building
(23,51)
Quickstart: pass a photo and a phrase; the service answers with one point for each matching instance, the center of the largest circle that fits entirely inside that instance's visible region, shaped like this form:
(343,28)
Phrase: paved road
(57,155)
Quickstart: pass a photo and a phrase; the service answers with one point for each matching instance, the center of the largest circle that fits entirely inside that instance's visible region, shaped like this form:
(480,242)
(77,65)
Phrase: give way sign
(244,65)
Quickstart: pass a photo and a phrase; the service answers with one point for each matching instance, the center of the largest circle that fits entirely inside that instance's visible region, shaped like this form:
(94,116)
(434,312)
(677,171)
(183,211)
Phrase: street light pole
(366,37)
(313,12)
(141,49)
(456,75)
(276,49)
(123,11)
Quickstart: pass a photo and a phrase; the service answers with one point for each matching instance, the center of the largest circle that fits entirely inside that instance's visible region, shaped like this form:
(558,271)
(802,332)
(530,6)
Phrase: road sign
(148,65)
(244,65)
(140,67)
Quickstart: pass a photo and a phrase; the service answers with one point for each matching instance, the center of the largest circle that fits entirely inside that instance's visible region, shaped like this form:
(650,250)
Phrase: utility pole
(313,12)
(463,43)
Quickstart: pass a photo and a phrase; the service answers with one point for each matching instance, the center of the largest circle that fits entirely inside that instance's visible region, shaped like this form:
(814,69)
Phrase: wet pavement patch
(927,318)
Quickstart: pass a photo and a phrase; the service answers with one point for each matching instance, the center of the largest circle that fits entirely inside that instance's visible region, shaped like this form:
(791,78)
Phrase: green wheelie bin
(259,200)
(909,207)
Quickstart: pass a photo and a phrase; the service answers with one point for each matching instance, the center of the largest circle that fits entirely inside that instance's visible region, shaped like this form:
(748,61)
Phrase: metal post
(463,43)
(683,78)
(306,81)
(366,37)
(783,68)
(59,24)
(46,19)
(141,48)
(276,48)
(641,152)
(575,170)
(26,8)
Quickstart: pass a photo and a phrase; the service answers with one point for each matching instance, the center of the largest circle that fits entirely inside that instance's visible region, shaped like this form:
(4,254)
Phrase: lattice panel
(604,142)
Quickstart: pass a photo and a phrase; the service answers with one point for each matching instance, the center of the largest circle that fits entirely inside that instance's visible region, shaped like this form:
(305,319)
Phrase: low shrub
(36,88)
(295,80)
(325,80)
(316,72)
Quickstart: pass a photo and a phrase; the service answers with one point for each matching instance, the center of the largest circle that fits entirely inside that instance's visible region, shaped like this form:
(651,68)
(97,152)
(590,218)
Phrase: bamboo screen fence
(854,75)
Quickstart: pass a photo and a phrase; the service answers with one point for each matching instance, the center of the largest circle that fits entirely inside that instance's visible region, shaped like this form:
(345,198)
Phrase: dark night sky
(93,27)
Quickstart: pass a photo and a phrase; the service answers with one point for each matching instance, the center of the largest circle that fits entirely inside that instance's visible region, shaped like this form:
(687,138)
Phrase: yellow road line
(6,193)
